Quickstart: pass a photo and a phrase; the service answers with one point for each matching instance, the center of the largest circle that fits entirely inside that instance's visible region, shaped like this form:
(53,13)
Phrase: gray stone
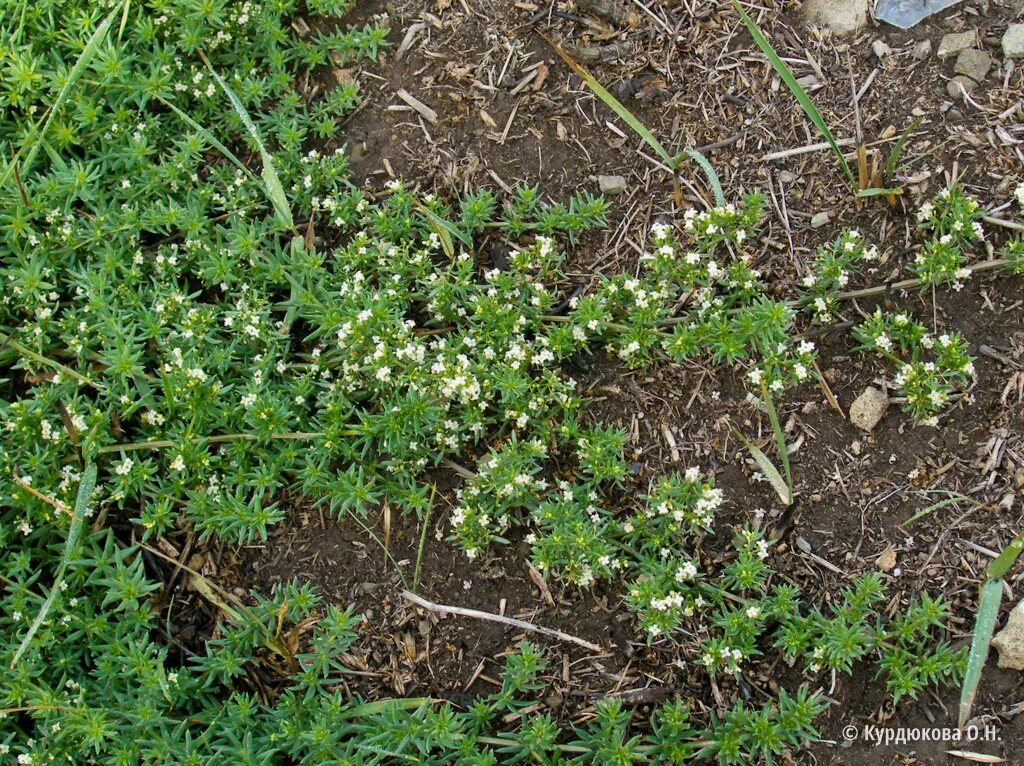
(1013,42)
(953,86)
(1010,640)
(808,82)
(973,63)
(841,16)
(906,13)
(868,408)
(952,44)
(881,50)
(611,184)
(923,50)
(818,220)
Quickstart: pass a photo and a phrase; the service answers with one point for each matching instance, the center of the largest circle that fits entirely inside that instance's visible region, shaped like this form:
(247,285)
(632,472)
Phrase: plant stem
(520,624)
(423,539)
(8,340)
(220,439)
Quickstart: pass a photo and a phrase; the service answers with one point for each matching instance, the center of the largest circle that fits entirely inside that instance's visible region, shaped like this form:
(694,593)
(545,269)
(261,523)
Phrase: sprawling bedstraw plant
(203,338)
(929,369)
(831,273)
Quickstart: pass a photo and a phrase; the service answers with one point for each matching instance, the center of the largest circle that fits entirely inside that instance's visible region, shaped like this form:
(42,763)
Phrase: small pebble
(923,50)
(611,184)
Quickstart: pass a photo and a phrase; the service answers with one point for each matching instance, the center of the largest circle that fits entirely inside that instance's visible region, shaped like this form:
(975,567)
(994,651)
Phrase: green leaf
(445,230)
(86,485)
(615,105)
(897,149)
(378,707)
(780,437)
(205,134)
(998,568)
(801,96)
(878,192)
(709,172)
(768,469)
(988,610)
(275,191)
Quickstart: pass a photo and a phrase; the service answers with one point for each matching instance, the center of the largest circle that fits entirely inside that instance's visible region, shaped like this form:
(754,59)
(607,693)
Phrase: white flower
(124,467)
(753,612)
(179,464)
(755,375)
(686,572)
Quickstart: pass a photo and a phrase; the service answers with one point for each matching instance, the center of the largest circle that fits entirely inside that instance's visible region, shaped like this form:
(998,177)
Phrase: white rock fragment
(841,16)
(869,408)
(611,184)
(1013,42)
(1010,640)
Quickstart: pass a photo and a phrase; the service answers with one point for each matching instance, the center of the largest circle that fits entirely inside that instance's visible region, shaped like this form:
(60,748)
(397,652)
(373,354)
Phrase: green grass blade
(780,437)
(378,707)
(998,568)
(768,469)
(212,139)
(615,105)
(801,96)
(84,59)
(275,191)
(709,171)
(897,150)
(445,230)
(85,488)
(955,497)
(878,192)
(988,610)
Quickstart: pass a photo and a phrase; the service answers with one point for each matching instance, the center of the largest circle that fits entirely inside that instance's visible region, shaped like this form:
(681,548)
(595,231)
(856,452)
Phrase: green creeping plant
(205,311)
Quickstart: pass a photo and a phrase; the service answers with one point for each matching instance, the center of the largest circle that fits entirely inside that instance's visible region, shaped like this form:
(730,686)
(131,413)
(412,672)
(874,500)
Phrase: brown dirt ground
(508,111)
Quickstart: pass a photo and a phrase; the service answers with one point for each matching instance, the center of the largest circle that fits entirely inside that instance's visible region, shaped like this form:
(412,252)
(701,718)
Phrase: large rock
(841,16)
(1010,640)
(954,44)
(973,63)
(1013,42)
(868,408)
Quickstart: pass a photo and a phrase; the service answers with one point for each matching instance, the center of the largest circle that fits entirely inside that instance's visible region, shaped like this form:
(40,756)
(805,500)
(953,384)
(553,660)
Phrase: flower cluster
(506,482)
(930,369)
(953,219)
(574,539)
(831,273)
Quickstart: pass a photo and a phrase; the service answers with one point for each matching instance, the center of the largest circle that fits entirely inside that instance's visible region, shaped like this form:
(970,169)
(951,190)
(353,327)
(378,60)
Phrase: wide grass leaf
(275,191)
(86,485)
(615,105)
(85,58)
(769,470)
(988,610)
